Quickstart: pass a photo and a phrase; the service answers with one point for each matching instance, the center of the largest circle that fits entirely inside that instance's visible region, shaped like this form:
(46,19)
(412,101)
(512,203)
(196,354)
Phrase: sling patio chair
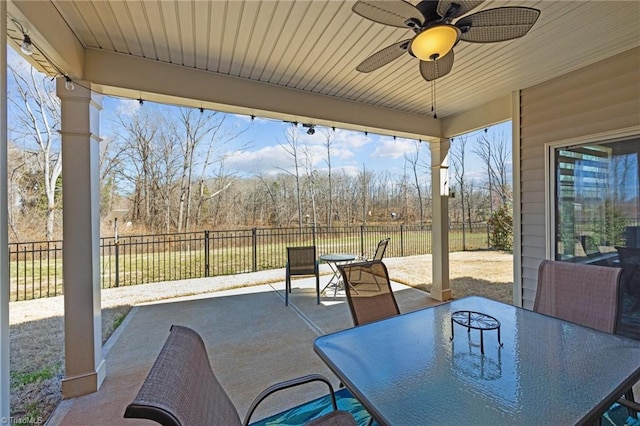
(181,389)
(379,253)
(301,261)
(583,294)
(369,292)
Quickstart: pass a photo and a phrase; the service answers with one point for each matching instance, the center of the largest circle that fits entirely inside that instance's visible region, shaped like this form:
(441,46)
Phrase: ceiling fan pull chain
(433,95)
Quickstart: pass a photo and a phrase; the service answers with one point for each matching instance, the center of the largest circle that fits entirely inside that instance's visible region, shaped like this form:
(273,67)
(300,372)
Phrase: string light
(311,129)
(68,83)
(27,46)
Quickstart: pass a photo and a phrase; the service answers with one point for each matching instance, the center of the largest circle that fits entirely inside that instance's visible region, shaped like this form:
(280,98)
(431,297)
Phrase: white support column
(84,365)
(440,223)
(4,220)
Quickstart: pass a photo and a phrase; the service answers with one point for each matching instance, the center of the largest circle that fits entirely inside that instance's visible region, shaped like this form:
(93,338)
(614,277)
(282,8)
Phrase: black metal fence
(35,268)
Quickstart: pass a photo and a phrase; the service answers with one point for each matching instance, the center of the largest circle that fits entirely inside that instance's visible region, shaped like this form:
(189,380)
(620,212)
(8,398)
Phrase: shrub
(501,229)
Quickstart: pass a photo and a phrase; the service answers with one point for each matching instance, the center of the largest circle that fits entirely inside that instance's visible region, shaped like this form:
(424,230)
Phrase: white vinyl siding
(600,98)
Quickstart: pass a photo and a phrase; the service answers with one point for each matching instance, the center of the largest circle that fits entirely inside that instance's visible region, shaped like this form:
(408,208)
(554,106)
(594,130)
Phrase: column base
(85,383)
(441,295)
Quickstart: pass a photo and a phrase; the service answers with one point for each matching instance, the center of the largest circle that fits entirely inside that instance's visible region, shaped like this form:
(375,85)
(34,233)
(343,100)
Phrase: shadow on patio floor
(253,341)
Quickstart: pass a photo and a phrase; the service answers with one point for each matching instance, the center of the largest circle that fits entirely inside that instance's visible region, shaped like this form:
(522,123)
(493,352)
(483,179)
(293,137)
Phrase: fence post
(362,239)
(464,236)
(488,236)
(254,243)
(402,240)
(206,253)
(313,232)
(117,248)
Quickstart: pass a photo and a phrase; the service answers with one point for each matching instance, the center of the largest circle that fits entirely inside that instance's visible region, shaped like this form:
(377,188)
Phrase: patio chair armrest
(629,404)
(286,385)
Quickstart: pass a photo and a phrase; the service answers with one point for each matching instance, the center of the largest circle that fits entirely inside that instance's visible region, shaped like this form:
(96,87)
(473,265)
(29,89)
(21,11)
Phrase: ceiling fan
(435,32)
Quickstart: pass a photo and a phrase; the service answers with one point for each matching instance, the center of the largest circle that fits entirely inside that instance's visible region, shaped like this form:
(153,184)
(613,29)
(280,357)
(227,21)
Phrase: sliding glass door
(596,204)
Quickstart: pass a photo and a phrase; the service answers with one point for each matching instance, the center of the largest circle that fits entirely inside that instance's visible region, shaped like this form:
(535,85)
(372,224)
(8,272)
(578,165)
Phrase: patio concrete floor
(253,341)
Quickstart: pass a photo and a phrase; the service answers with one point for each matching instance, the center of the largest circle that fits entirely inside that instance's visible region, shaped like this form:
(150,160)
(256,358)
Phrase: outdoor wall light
(434,42)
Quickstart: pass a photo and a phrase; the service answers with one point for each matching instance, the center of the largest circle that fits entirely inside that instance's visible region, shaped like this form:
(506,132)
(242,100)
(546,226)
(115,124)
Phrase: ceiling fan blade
(389,12)
(453,9)
(384,56)
(432,70)
(500,24)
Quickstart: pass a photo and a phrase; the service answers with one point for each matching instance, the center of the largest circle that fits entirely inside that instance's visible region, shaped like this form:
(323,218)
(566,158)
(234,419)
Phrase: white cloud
(127,107)
(388,148)
(271,159)
(348,170)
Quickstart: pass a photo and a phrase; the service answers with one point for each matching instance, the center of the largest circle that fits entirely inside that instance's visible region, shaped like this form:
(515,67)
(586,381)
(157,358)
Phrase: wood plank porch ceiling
(314,46)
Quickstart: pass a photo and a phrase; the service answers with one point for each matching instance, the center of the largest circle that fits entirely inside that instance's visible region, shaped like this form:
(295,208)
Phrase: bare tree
(494,153)
(328,141)
(364,180)
(311,175)
(110,169)
(458,162)
(190,131)
(291,146)
(36,124)
(413,159)
(150,161)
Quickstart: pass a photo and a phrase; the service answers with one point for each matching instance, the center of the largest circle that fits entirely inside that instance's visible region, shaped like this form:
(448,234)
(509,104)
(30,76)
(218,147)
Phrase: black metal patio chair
(301,261)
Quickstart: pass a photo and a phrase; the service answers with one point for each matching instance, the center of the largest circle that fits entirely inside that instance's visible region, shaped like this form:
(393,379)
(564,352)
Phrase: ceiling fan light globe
(434,42)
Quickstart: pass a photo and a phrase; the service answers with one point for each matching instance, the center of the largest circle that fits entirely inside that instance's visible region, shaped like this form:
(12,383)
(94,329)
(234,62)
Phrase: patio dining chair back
(378,254)
(583,294)
(181,389)
(368,291)
(301,261)
(382,247)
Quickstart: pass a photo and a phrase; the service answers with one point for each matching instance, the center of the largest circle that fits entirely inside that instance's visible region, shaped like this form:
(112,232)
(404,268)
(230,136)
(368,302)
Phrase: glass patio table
(333,260)
(406,370)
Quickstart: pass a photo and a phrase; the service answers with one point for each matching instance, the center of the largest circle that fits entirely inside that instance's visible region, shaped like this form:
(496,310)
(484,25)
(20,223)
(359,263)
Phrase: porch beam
(494,112)
(440,289)
(84,365)
(128,76)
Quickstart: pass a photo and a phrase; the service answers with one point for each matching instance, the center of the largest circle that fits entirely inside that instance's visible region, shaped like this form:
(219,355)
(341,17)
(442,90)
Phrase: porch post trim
(84,365)
(440,289)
